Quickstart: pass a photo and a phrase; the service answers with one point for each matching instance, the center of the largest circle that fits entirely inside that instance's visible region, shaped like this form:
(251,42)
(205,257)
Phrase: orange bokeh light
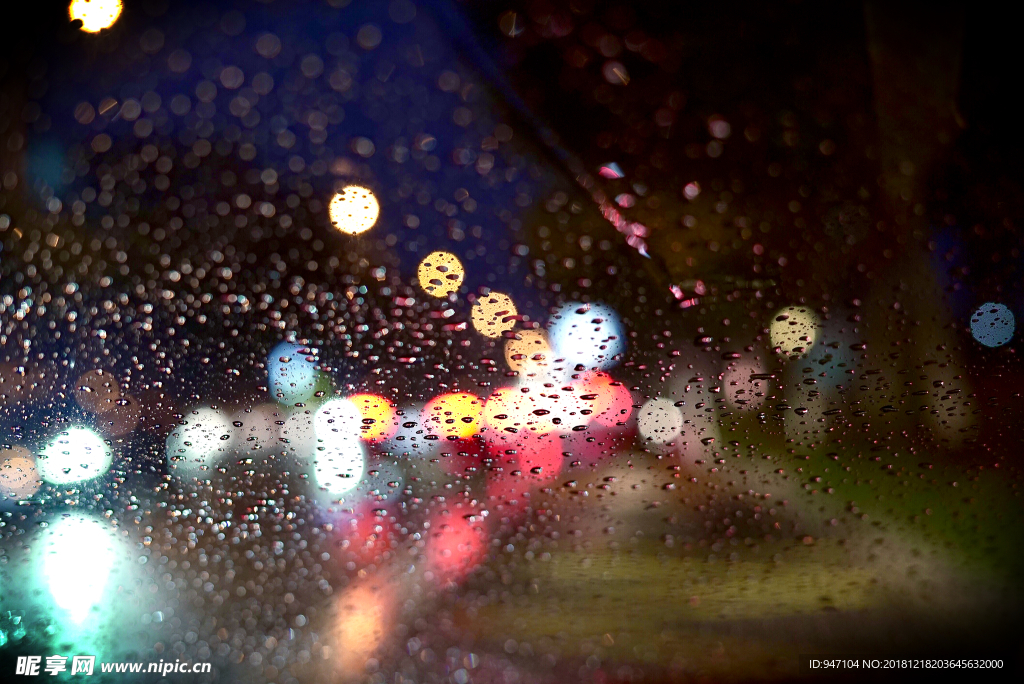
(455,415)
(379,410)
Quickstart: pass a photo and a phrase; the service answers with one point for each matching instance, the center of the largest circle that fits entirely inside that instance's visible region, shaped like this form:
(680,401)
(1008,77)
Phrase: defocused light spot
(362,623)
(377,417)
(340,464)
(528,353)
(79,553)
(659,421)
(18,476)
(794,329)
(993,324)
(74,455)
(494,314)
(742,389)
(524,463)
(510,410)
(455,415)
(615,72)
(96,15)
(338,420)
(455,545)
(291,373)
(440,274)
(193,448)
(97,391)
(587,334)
(609,401)
(354,209)
(611,170)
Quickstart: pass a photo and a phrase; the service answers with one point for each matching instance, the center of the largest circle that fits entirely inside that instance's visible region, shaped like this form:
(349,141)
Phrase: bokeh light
(194,447)
(659,421)
(440,274)
(493,314)
(292,374)
(75,455)
(377,417)
(97,391)
(96,15)
(587,334)
(340,465)
(19,478)
(742,386)
(79,553)
(993,324)
(609,401)
(510,410)
(528,353)
(354,209)
(794,329)
(336,421)
(361,624)
(456,544)
(524,463)
(455,415)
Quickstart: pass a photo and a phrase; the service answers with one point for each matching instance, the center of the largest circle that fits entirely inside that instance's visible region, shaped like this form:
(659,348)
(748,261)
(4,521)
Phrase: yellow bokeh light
(354,209)
(494,314)
(528,353)
(96,15)
(794,329)
(440,274)
(379,410)
(455,415)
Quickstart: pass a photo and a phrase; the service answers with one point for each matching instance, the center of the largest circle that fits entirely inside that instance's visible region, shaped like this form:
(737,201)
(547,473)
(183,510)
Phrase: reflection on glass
(18,476)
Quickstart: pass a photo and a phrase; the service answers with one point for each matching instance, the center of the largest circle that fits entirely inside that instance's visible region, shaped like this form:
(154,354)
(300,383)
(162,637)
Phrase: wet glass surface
(546,341)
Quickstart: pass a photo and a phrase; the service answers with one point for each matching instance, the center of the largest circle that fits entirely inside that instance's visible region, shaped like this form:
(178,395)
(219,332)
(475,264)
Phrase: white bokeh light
(196,446)
(340,465)
(78,554)
(75,455)
(291,373)
(587,334)
(659,421)
(337,420)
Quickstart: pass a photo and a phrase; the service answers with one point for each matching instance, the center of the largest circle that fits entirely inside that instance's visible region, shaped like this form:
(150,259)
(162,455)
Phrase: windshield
(548,341)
